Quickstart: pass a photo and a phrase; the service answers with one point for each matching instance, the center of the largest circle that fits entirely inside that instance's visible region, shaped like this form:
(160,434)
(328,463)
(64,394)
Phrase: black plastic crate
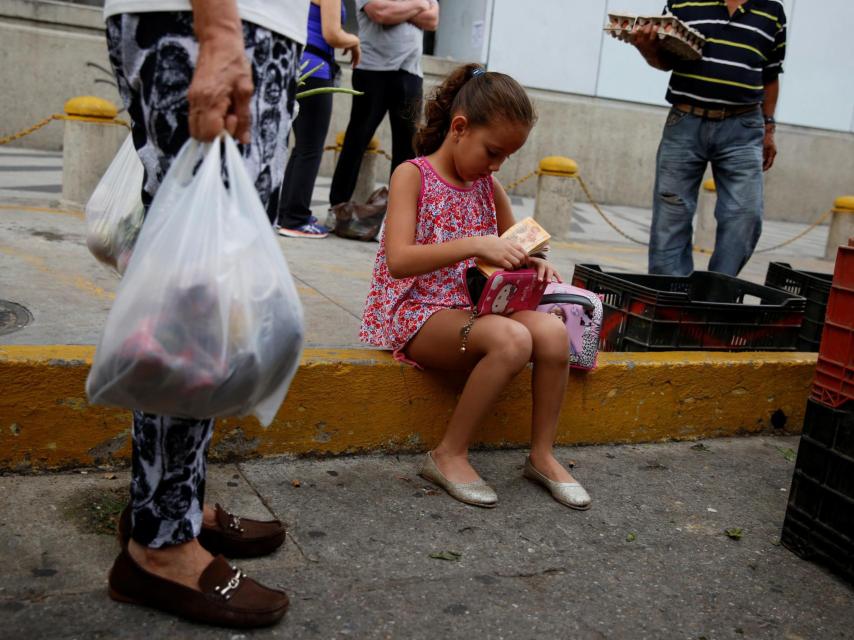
(819,521)
(813,286)
(705,311)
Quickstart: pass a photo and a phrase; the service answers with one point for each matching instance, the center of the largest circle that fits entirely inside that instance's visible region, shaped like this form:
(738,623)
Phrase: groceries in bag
(114,212)
(206,321)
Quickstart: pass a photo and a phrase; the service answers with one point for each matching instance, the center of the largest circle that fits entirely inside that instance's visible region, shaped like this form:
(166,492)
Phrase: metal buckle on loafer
(232,585)
(234,523)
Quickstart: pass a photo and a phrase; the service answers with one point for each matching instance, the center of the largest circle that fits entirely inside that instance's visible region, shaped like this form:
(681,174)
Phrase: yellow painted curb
(352,400)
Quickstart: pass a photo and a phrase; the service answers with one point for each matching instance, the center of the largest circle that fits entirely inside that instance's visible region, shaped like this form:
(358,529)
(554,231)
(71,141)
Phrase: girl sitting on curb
(445,209)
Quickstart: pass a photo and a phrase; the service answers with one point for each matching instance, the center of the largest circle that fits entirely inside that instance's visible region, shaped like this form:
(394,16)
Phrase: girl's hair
(481,96)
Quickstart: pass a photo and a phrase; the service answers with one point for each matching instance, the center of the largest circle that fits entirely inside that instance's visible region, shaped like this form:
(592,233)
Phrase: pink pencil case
(581,312)
(504,292)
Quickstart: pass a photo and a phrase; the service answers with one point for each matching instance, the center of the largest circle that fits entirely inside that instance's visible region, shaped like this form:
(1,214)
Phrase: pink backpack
(581,312)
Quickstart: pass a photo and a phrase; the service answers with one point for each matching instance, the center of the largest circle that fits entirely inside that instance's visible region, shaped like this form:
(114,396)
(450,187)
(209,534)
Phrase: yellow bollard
(91,139)
(706,226)
(556,190)
(841,225)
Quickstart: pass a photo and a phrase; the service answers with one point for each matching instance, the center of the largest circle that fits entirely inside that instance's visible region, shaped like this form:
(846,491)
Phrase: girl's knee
(512,343)
(550,340)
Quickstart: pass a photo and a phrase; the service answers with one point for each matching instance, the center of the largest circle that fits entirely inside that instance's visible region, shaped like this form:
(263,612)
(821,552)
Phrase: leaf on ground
(451,556)
(788,454)
(631,537)
(734,532)
(700,447)
(296,483)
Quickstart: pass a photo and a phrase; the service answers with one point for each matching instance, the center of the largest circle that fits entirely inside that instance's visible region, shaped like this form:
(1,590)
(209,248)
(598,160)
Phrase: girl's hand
(501,252)
(355,54)
(545,271)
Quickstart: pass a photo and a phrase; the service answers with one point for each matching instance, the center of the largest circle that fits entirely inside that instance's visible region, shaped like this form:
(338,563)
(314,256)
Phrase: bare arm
(405,258)
(391,12)
(772,92)
(221,88)
(428,20)
(769,106)
(330,21)
(646,41)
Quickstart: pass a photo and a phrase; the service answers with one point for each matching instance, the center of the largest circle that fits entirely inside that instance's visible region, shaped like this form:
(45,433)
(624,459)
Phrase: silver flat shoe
(570,494)
(476,493)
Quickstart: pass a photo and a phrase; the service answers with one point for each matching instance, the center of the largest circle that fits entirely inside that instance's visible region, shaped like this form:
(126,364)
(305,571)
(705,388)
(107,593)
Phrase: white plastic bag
(114,212)
(206,321)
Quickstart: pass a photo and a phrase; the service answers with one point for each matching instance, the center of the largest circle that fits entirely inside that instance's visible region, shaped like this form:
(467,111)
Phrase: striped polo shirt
(742,54)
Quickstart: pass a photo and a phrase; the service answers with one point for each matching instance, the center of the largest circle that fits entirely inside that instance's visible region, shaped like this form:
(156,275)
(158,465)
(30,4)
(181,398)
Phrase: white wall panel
(623,73)
(818,83)
(464,30)
(548,44)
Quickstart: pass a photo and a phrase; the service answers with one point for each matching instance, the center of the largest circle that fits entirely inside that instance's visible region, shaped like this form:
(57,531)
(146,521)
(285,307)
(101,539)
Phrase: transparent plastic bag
(114,213)
(206,321)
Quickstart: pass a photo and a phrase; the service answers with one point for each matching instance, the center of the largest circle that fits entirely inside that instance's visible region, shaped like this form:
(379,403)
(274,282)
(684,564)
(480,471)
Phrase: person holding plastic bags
(198,68)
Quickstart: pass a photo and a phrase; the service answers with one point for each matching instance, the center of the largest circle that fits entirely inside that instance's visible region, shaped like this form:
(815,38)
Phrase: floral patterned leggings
(153,56)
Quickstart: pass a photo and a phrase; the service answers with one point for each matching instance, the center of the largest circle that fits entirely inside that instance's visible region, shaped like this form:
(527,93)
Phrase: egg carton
(676,37)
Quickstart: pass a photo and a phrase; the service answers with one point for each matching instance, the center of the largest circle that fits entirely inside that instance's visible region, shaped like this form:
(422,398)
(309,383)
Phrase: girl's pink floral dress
(396,309)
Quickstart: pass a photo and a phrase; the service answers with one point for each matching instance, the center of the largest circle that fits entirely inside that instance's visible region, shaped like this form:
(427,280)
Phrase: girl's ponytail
(438,110)
(481,96)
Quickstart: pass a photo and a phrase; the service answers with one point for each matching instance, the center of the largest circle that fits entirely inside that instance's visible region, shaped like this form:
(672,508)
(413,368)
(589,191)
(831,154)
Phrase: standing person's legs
(153,56)
(366,114)
(310,128)
(404,109)
(680,163)
(168,478)
(737,167)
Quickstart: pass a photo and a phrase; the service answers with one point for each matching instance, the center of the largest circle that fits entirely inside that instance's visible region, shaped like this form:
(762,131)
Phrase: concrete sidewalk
(649,560)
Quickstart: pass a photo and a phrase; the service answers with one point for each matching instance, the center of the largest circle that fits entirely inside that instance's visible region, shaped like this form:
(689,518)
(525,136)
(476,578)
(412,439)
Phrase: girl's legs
(498,348)
(548,387)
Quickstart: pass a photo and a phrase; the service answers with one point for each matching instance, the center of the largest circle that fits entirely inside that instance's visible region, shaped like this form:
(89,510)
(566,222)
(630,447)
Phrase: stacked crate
(819,520)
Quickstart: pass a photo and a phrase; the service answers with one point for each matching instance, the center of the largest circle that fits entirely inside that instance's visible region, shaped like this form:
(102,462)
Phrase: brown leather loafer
(232,536)
(227,598)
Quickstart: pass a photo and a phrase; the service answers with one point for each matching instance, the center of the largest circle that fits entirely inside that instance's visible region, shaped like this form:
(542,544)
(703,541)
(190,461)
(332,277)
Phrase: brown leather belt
(715,114)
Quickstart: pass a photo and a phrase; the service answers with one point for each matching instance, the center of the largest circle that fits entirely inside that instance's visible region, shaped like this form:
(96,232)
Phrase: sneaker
(311,229)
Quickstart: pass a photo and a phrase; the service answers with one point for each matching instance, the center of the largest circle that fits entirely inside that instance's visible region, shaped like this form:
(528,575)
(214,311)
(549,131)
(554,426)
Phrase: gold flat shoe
(570,494)
(476,493)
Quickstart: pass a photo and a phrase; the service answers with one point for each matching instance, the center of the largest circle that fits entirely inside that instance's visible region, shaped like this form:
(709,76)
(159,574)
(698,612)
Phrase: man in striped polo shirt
(723,113)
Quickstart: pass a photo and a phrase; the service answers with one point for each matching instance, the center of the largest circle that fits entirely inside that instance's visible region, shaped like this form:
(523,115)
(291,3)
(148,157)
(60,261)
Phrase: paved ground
(45,266)
(649,560)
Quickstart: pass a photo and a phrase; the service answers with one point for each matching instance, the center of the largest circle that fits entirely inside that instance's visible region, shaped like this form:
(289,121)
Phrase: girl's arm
(330,21)
(504,215)
(405,258)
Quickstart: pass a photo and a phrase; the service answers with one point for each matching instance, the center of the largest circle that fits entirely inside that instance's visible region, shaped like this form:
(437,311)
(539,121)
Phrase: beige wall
(44,47)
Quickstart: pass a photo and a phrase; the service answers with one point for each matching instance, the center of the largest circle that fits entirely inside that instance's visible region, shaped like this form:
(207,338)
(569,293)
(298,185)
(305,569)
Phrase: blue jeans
(734,147)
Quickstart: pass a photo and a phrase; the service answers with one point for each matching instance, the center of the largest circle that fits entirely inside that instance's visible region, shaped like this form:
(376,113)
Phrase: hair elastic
(478,72)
